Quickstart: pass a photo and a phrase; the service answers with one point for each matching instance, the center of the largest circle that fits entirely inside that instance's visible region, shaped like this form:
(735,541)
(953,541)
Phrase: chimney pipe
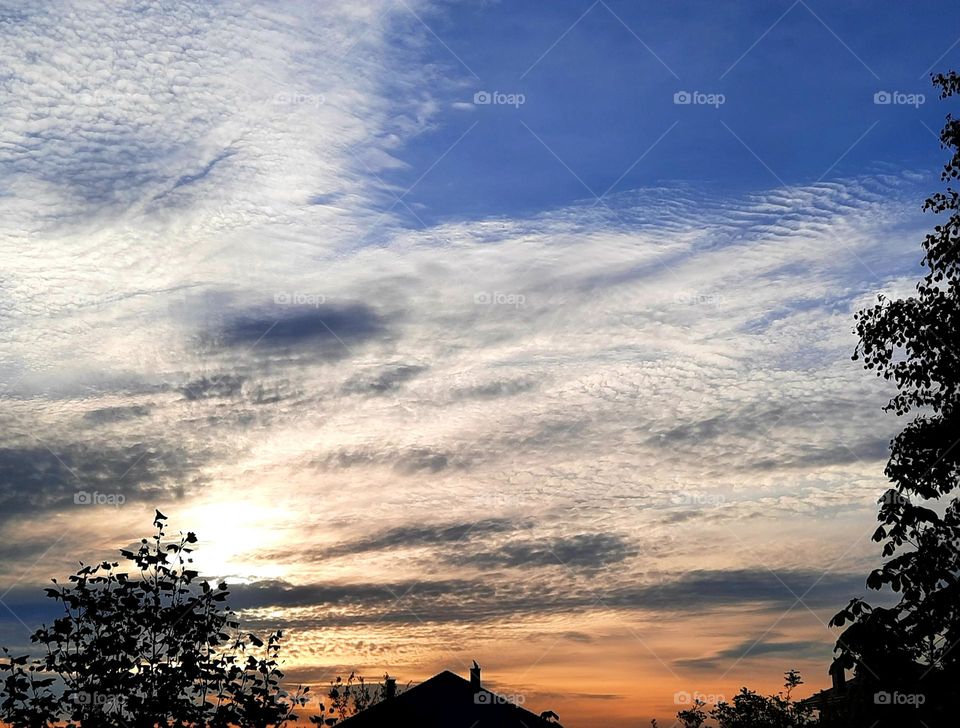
(389,687)
(839,678)
(475,676)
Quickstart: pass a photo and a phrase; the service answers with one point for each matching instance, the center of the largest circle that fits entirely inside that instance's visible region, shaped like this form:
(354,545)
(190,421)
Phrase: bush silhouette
(147,645)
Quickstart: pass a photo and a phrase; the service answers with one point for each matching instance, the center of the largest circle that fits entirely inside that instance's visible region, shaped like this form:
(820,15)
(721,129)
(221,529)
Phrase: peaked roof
(446,701)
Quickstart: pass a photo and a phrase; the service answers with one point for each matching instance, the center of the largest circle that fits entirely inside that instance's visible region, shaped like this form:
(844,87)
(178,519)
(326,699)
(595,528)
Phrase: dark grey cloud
(112,165)
(420,459)
(329,328)
(586,550)
(723,659)
(227,385)
(246,385)
(265,394)
(481,600)
(23,611)
(868,450)
(765,425)
(706,589)
(570,695)
(39,478)
(110,415)
(679,516)
(204,171)
(385,379)
(407,461)
(494,390)
(416,536)
(697,432)
(487,599)
(364,596)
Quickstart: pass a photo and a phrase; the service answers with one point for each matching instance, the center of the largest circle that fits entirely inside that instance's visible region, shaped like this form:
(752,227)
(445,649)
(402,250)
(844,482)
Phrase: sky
(518,332)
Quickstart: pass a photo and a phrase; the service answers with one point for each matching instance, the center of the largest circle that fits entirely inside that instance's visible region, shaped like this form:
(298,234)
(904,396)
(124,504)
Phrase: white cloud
(185,294)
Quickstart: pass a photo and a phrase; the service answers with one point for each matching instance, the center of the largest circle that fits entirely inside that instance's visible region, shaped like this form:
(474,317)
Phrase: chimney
(389,687)
(475,676)
(839,678)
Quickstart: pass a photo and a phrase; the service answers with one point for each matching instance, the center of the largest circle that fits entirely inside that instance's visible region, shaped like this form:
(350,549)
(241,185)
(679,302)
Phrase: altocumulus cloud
(206,295)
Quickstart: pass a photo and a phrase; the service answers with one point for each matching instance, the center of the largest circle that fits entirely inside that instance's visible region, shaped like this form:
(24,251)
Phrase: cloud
(384,379)
(585,550)
(494,389)
(108,415)
(407,461)
(36,479)
(753,648)
(415,536)
(327,333)
(461,601)
(228,385)
(212,298)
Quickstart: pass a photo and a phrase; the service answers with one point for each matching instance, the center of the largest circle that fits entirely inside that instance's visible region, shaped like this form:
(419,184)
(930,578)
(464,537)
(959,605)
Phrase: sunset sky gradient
(562,385)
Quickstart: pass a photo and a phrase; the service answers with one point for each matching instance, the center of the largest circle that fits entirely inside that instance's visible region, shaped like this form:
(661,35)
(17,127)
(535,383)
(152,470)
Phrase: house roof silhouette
(447,701)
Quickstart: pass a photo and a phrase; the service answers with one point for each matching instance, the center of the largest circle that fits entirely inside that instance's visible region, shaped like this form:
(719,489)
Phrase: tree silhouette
(752,710)
(152,645)
(909,649)
(351,696)
(693,717)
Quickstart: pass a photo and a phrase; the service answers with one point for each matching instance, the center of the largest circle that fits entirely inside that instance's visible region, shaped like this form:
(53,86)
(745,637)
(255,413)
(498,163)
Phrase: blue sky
(271,268)
(598,79)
